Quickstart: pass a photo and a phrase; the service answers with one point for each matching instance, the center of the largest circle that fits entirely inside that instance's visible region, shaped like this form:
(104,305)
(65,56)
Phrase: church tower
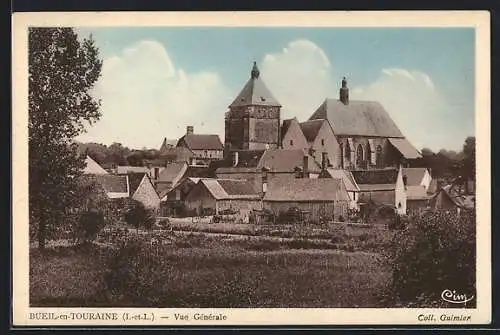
(253,119)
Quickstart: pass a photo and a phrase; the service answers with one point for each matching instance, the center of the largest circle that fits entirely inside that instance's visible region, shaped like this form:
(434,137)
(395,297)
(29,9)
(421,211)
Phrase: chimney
(344,92)
(189,130)
(305,166)
(324,161)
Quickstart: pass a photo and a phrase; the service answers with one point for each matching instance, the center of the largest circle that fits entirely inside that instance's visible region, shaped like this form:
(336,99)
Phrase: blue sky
(156,81)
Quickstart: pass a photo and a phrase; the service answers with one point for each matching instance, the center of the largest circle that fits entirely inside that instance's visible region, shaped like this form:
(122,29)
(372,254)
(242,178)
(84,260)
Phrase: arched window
(379,156)
(359,155)
(347,152)
(341,155)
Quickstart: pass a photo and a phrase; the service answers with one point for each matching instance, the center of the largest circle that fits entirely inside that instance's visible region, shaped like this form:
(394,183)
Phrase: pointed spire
(255,71)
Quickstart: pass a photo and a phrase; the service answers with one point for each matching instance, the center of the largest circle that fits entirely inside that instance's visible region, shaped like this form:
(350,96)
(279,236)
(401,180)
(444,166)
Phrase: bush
(89,225)
(137,215)
(435,252)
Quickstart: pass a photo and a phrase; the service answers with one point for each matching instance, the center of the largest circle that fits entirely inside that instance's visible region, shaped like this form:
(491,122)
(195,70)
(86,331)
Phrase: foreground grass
(210,272)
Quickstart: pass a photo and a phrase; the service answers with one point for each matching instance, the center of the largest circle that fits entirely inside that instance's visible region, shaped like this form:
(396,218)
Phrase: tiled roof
(222,170)
(255,92)
(92,167)
(113,183)
(416,193)
(237,187)
(363,118)
(201,142)
(347,178)
(382,176)
(172,172)
(134,180)
(286,160)
(222,189)
(305,190)
(311,128)
(405,148)
(131,169)
(376,187)
(414,176)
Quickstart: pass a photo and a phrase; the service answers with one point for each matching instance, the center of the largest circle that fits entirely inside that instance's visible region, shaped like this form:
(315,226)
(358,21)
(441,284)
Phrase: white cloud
(146,98)
(299,77)
(414,103)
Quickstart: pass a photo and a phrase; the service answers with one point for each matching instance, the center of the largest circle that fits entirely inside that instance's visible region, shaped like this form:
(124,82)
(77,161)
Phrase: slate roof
(255,92)
(381,176)
(362,118)
(201,142)
(414,176)
(306,190)
(113,183)
(286,160)
(223,189)
(405,148)
(311,128)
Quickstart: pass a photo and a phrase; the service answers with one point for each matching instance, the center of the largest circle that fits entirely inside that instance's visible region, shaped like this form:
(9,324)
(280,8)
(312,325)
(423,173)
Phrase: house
(213,196)
(368,138)
(205,147)
(349,183)
(417,176)
(321,198)
(92,167)
(381,186)
(416,198)
(292,136)
(170,154)
(274,165)
(170,176)
(321,139)
(449,198)
(135,186)
(253,119)
(173,200)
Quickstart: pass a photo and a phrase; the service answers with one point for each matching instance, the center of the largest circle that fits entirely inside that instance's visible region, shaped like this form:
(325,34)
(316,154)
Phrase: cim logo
(455,298)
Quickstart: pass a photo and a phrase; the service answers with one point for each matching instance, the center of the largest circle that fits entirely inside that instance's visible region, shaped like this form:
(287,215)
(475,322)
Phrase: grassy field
(208,271)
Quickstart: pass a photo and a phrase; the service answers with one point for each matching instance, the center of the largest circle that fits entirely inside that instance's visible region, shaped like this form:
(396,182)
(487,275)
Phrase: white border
(480,20)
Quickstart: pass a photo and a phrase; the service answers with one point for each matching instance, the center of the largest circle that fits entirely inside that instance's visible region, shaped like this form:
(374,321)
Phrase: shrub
(89,225)
(435,252)
(137,215)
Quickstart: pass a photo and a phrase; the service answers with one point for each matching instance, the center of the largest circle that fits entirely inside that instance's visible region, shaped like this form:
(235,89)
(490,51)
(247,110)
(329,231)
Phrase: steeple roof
(255,92)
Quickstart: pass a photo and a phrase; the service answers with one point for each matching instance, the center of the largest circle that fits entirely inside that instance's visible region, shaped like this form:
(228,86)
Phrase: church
(341,133)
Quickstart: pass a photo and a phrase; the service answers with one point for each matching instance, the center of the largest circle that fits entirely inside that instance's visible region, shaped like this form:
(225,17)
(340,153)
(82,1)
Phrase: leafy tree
(137,215)
(62,72)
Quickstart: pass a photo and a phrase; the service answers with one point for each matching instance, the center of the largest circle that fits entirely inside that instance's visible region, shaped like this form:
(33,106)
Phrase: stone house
(349,183)
(205,147)
(213,196)
(383,187)
(273,165)
(320,198)
(173,200)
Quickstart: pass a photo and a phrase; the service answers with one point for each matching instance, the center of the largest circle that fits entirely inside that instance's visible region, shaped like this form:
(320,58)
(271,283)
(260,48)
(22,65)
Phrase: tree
(62,72)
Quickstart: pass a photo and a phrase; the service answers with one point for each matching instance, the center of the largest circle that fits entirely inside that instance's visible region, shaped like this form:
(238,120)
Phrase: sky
(156,81)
